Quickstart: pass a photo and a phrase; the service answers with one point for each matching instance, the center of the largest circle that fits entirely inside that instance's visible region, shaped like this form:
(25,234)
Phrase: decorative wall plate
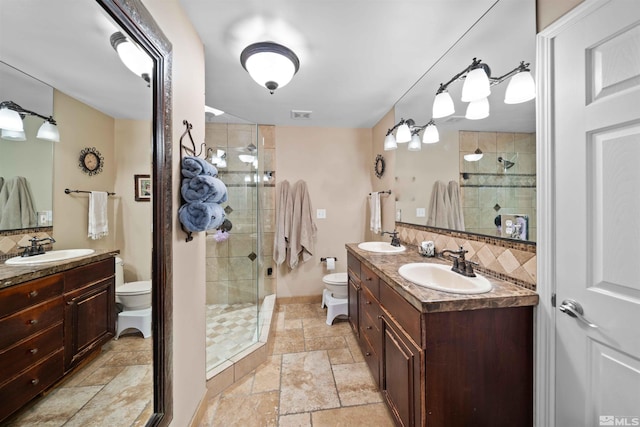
(91,161)
(378,166)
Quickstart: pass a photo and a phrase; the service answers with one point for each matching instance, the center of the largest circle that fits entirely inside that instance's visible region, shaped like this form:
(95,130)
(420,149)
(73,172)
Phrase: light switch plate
(321,213)
(420,212)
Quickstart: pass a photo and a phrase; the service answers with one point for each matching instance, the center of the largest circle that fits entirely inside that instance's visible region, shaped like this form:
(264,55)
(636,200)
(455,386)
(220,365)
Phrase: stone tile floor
(316,376)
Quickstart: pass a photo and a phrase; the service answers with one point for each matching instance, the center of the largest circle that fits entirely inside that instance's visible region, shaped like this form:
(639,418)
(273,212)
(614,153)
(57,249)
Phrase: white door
(596,146)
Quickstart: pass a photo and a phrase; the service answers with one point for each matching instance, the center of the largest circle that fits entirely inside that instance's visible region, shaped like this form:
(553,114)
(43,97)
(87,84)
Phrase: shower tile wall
(487,189)
(232,265)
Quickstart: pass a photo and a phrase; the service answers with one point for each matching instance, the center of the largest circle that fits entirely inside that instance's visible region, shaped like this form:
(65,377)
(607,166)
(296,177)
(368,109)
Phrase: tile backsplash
(11,240)
(505,259)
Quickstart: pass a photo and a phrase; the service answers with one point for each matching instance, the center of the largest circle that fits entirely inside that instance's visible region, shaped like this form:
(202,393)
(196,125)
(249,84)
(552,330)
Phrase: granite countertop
(503,294)
(13,274)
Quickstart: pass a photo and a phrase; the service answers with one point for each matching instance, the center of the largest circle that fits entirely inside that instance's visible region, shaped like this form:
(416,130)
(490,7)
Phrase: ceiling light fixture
(475,156)
(270,64)
(213,111)
(11,116)
(477,87)
(134,58)
(409,127)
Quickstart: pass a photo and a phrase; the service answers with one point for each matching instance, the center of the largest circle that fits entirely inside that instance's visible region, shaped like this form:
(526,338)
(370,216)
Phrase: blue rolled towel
(194,166)
(198,216)
(203,188)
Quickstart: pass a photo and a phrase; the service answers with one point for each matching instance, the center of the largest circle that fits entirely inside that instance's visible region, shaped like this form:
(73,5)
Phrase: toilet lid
(335,279)
(134,288)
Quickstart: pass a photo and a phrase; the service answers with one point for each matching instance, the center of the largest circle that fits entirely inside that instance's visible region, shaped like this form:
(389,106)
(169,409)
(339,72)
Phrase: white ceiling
(358,57)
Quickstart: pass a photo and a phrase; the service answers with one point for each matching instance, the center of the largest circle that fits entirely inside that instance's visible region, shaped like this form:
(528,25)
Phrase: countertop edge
(503,295)
(11,275)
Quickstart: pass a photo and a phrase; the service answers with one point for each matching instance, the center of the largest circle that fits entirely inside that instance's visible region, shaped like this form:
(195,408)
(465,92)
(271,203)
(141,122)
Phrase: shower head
(506,163)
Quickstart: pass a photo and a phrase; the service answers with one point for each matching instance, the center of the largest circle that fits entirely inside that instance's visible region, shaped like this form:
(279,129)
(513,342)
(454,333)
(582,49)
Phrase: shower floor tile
(230,329)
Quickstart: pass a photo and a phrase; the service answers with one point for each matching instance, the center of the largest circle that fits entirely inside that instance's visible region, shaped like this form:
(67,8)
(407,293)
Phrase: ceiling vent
(454,119)
(300,114)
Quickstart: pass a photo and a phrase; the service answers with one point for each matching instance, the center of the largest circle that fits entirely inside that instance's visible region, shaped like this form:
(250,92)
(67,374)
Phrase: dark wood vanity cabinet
(48,325)
(452,368)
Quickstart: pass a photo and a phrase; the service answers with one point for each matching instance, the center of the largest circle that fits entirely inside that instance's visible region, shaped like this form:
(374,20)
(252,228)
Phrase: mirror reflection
(490,161)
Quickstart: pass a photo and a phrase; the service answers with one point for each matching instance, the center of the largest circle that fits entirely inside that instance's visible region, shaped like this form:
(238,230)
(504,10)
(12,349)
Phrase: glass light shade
(431,134)
(13,135)
(222,163)
(10,120)
(134,58)
(415,144)
(271,65)
(477,110)
(443,105)
(475,156)
(403,134)
(246,158)
(476,85)
(49,132)
(390,142)
(213,111)
(521,88)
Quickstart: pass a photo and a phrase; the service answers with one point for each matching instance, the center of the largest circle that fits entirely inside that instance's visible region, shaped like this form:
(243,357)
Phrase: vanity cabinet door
(401,374)
(354,298)
(89,320)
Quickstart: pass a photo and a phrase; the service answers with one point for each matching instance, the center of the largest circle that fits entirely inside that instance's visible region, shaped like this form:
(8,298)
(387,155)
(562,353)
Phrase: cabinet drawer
(21,389)
(354,265)
(88,274)
(370,281)
(26,353)
(372,358)
(407,316)
(18,297)
(21,325)
(371,330)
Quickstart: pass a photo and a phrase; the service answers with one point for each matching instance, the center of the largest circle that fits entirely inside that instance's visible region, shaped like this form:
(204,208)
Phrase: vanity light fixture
(270,64)
(477,87)
(404,127)
(216,157)
(11,116)
(475,156)
(134,58)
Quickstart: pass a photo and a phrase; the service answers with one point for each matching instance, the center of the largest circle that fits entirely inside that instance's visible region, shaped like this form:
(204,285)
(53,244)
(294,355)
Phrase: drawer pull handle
(367,302)
(368,279)
(35,381)
(33,294)
(33,321)
(367,354)
(369,327)
(33,350)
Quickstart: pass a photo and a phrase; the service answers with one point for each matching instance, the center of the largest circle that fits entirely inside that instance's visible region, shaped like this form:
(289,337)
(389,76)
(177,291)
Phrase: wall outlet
(421,212)
(398,214)
(321,213)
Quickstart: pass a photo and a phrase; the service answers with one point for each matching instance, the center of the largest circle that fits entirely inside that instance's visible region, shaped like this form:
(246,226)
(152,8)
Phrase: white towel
(98,223)
(375,223)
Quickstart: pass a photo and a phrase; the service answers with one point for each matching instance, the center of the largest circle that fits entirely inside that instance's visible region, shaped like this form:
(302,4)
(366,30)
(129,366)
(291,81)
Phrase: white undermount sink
(441,278)
(50,256)
(381,247)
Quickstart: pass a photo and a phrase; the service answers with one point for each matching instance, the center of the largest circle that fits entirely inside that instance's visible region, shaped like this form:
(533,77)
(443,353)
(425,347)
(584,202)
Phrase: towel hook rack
(191,151)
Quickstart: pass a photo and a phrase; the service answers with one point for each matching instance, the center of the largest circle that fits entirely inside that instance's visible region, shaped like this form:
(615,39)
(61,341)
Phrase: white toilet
(135,298)
(334,296)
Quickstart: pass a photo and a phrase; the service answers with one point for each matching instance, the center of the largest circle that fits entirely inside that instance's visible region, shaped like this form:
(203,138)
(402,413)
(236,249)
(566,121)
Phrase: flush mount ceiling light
(408,131)
(214,111)
(477,87)
(11,115)
(270,64)
(475,156)
(134,58)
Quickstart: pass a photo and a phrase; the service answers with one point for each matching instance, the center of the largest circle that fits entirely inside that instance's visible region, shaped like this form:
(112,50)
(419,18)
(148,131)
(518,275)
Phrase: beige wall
(549,10)
(133,219)
(81,126)
(335,164)
(188,257)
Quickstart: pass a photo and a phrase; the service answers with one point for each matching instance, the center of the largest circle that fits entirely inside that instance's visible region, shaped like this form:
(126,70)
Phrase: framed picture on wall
(142,187)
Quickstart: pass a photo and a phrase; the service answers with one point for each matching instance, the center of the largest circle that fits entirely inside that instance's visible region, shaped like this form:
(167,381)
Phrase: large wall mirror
(69,49)
(501,186)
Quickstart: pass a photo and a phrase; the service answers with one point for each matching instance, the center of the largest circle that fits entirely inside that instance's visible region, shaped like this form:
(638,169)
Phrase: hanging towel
(303,229)
(203,188)
(457,216)
(375,222)
(284,207)
(193,166)
(17,209)
(199,216)
(439,206)
(98,222)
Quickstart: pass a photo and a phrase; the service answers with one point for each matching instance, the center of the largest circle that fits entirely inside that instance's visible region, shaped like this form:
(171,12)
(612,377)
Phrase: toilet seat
(134,288)
(336,279)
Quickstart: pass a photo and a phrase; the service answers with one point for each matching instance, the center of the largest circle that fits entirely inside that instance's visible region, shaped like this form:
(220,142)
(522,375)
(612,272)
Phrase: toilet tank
(119,272)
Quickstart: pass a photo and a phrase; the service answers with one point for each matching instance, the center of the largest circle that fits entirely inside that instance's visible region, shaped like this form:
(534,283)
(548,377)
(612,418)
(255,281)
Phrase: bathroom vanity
(443,359)
(52,317)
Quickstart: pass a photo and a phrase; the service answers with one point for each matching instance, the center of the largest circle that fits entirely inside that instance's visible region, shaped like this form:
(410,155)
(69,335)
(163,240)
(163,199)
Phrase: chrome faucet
(460,264)
(36,247)
(395,241)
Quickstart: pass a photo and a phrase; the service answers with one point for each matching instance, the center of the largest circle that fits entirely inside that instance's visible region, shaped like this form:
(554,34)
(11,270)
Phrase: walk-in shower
(240,288)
